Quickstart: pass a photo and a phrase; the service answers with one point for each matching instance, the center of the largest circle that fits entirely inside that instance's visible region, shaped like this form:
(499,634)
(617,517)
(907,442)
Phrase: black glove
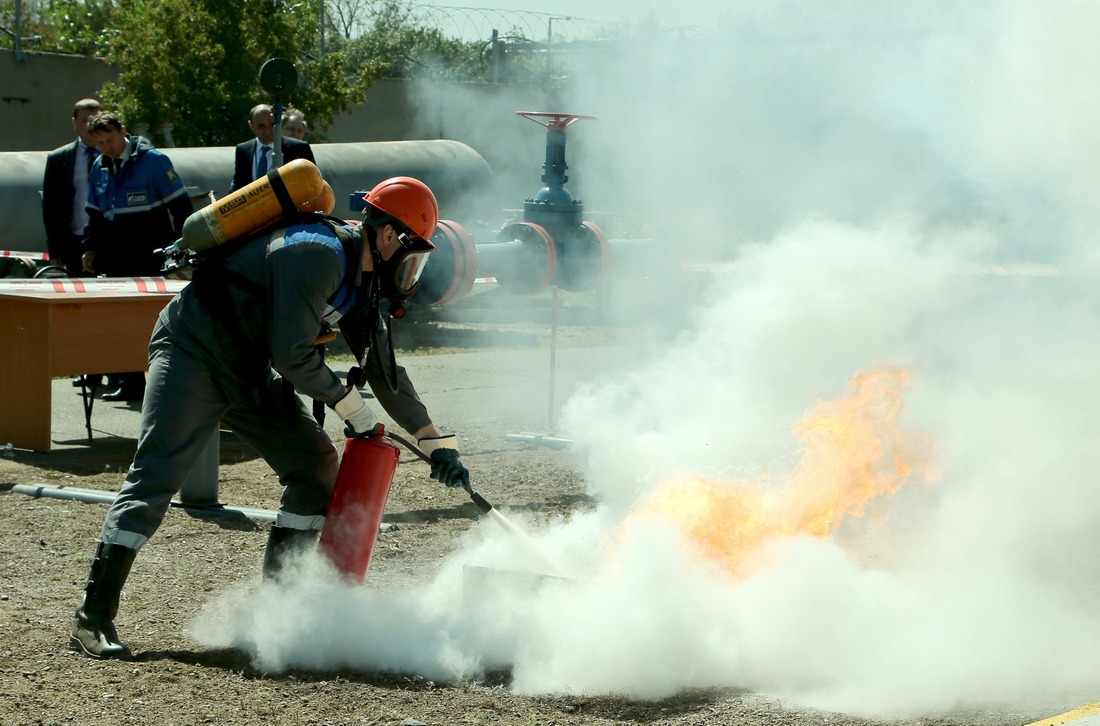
(446,467)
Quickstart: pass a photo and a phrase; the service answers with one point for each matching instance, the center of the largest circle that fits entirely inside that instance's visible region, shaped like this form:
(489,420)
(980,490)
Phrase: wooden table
(48,334)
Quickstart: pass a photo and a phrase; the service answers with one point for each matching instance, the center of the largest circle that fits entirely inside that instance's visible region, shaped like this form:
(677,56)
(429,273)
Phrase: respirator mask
(399,276)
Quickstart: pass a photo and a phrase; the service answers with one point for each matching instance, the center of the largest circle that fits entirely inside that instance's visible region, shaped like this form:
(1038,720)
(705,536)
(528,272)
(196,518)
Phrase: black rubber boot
(283,542)
(94,632)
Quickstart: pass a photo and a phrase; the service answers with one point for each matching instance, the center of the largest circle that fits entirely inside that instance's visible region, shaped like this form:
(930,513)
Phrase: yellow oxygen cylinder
(324,202)
(256,206)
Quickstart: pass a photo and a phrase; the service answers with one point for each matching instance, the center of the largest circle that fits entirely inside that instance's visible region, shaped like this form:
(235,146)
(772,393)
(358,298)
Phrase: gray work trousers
(184,404)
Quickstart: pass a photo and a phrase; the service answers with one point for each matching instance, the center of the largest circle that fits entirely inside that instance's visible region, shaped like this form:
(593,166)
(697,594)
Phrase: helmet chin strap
(389,372)
(376,269)
(387,365)
(372,248)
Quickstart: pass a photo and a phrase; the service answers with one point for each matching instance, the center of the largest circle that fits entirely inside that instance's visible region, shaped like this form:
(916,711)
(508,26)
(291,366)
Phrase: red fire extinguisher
(358,501)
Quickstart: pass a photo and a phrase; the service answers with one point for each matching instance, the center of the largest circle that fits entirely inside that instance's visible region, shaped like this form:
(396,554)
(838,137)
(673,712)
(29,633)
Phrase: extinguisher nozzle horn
(479,500)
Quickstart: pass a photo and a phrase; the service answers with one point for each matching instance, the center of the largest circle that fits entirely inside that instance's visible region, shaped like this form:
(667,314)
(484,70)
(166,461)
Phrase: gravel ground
(46,546)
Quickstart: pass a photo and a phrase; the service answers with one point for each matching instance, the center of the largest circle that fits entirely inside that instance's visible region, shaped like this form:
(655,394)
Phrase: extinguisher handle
(379,429)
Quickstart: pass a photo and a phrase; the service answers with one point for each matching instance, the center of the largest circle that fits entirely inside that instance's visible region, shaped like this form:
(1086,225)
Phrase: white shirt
(80,220)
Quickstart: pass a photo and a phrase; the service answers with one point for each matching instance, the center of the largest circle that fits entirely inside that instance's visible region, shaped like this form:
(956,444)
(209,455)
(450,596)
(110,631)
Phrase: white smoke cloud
(851,164)
(955,596)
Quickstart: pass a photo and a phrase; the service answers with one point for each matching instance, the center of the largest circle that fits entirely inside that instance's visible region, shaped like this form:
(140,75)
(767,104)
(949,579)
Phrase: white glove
(431,443)
(355,413)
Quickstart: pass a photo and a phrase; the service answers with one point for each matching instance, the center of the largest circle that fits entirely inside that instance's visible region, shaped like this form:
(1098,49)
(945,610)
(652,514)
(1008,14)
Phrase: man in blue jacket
(136,204)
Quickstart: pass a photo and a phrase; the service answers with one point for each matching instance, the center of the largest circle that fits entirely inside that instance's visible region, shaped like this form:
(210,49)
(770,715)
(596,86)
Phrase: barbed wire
(473,23)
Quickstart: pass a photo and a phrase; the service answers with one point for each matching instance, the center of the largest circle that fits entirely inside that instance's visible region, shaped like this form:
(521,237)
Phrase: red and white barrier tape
(92,284)
(31,255)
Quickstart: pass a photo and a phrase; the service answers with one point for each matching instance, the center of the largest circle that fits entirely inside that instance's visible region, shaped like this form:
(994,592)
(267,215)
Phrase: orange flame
(852,453)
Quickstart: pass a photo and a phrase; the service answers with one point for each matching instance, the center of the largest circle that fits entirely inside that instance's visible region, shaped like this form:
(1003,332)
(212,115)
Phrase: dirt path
(194,562)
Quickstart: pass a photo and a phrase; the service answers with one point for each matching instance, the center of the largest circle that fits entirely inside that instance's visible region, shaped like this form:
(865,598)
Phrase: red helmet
(409,201)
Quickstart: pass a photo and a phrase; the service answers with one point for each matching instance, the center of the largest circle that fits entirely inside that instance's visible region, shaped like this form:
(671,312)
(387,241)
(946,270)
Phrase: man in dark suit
(255,158)
(65,198)
(65,191)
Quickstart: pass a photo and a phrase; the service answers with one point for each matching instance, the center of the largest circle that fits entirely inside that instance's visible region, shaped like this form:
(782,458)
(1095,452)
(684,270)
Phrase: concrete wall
(37,97)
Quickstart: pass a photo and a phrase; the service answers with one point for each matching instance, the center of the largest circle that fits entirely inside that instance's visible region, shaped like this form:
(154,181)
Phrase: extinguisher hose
(481,502)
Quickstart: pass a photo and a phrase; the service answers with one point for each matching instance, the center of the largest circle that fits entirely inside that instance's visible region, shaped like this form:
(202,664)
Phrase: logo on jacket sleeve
(172,176)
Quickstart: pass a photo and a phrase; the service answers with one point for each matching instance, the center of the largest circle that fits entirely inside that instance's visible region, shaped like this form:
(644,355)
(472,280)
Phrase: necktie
(90,154)
(261,167)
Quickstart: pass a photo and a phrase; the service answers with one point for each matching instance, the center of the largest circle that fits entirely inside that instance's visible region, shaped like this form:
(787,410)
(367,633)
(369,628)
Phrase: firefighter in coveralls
(235,344)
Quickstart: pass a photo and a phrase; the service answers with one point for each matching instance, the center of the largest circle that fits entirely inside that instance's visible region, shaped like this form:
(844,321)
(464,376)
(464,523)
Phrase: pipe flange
(452,266)
(534,260)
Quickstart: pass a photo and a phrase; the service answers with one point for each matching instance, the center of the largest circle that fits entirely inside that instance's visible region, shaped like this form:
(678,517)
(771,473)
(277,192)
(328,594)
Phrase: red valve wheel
(556,121)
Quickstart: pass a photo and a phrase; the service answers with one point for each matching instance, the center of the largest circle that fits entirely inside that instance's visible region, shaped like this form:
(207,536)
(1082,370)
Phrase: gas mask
(399,275)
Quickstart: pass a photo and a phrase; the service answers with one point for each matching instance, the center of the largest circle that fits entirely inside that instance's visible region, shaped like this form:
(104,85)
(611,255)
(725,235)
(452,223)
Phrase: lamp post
(277,77)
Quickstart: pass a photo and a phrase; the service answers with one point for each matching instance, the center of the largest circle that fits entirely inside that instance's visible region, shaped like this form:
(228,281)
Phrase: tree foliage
(395,45)
(68,26)
(196,63)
